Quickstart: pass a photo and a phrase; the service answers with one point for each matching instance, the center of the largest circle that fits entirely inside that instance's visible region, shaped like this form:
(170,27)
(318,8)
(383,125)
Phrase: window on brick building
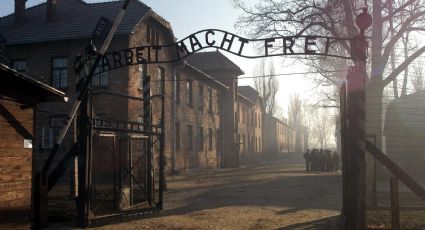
(49,134)
(218,141)
(210,139)
(141,76)
(160,80)
(189,137)
(178,136)
(189,86)
(60,72)
(20,65)
(218,102)
(243,115)
(156,38)
(46,138)
(236,89)
(101,78)
(259,145)
(148,34)
(210,100)
(200,138)
(177,88)
(201,97)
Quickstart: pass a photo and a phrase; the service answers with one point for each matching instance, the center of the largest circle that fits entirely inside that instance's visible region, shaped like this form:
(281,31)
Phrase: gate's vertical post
(162,181)
(356,101)
(83,161)
(344,160)
(395,206)
(147,122)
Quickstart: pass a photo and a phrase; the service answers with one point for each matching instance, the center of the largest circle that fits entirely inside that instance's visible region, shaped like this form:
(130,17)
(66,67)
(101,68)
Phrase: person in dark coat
(314,159)
(335,159)
(307,160)
(328,161)
(322,161)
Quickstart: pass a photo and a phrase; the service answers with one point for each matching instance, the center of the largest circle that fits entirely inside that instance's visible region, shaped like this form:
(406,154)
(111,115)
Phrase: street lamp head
(363,20)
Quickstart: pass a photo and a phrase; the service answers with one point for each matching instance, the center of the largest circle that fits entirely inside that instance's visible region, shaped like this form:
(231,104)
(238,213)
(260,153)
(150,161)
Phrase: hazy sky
(188,16)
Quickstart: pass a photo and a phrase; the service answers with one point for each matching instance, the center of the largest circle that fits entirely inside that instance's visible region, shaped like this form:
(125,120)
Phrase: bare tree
(296,118)
(295,110)
(267,86)
(337,18)
(320,125)
(417,76)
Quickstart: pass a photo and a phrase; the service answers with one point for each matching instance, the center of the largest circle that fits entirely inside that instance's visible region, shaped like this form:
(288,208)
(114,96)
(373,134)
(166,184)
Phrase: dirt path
(276,194)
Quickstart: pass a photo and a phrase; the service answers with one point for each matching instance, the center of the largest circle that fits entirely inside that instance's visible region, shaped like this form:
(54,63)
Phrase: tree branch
(396,11)
(403,66)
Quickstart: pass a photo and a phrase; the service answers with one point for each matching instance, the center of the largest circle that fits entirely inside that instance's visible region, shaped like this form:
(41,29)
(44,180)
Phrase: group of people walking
(321,160)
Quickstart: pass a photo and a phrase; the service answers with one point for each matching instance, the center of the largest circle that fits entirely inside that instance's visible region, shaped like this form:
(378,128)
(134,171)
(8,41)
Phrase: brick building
(249,117)
(280,137)
(35,42)
(222,69)
(18,96)
(45,39)
(198,119)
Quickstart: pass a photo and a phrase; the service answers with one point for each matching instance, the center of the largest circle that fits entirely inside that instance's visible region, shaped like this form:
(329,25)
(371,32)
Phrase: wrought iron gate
(124,167)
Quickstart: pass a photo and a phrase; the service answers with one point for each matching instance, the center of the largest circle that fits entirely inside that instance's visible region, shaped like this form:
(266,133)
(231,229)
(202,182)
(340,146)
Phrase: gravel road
(273,194)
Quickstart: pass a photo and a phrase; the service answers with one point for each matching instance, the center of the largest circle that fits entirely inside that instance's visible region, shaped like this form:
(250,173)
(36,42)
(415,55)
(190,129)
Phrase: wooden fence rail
(396,170)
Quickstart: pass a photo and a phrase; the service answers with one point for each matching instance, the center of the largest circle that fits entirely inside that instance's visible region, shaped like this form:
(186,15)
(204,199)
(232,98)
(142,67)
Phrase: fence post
(395,207)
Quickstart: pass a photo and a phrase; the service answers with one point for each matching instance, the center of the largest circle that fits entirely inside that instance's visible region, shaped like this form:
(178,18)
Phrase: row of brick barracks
(210,121)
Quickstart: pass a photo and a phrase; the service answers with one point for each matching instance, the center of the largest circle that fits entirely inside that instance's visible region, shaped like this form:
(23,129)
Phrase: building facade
(223,70)
(198,120)
(249,117)
(279,137)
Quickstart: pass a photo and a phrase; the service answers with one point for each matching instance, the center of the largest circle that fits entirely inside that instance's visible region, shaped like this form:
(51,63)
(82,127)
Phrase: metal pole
(356,95)
(395,206)
(162,182)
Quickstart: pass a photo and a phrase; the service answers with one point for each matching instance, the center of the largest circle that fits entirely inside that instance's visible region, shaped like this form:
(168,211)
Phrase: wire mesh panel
(119,175)
(104,174)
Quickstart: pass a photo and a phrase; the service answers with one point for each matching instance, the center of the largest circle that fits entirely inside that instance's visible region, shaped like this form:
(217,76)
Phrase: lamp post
(355,213)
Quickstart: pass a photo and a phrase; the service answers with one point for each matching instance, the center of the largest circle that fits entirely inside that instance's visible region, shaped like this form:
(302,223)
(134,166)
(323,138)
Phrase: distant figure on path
(329,164)
(335,159)
(307,160)
(322,160)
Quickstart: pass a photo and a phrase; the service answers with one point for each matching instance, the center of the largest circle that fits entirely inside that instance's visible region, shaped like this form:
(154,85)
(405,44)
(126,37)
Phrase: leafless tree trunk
(267,86)
(417,76)
(296,118)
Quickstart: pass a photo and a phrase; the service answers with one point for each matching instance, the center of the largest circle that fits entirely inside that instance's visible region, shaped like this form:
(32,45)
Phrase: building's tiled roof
(206,76)
(210,61)
(11,80)
(74,19)
(248,92)
(242,98)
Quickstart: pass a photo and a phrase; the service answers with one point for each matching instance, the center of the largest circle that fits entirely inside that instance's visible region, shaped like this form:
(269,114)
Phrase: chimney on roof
(51,10)
(20,11)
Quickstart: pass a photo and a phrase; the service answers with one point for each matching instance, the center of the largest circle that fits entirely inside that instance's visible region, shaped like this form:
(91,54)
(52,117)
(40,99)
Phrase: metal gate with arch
(121,163)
